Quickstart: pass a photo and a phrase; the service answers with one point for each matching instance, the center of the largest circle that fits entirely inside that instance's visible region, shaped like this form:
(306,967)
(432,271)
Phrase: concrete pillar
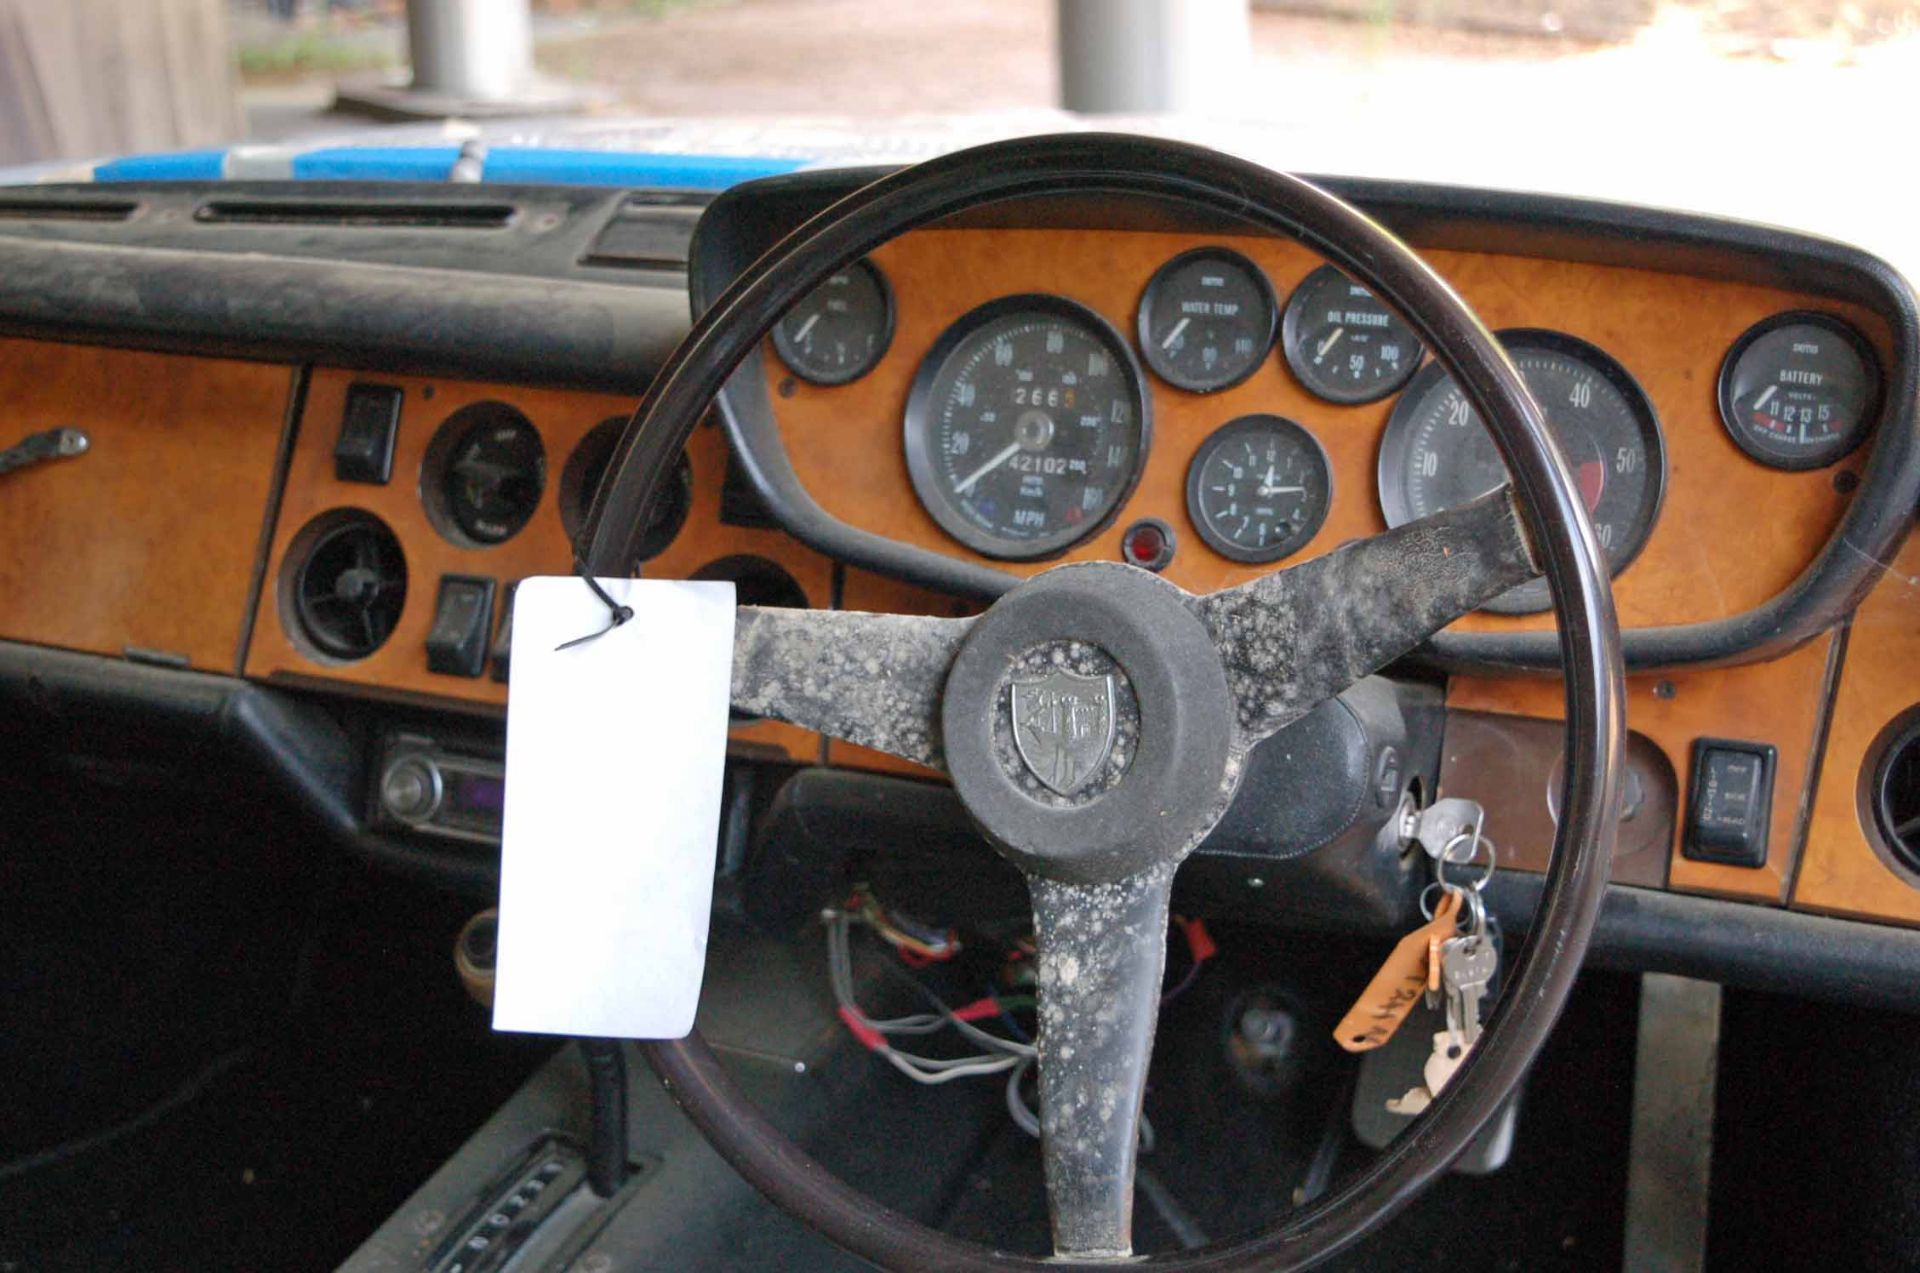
(474,50)
(1152,56)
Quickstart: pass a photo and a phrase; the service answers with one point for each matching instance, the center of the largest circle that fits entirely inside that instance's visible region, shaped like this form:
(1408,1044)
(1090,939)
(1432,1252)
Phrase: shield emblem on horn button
(1063,726)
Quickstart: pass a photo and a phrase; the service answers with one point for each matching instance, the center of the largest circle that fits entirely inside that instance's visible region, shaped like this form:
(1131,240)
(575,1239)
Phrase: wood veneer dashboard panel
(540,548)
(1781,702)
(1843,873)
(149,539)
(1733,532)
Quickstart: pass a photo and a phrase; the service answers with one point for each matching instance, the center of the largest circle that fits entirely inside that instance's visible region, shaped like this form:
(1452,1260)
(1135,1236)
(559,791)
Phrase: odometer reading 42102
(1436,454)
(1026,426)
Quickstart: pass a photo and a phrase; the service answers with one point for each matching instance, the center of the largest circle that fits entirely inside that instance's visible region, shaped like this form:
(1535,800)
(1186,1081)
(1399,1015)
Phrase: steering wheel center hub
(1066,723)
(1088,725)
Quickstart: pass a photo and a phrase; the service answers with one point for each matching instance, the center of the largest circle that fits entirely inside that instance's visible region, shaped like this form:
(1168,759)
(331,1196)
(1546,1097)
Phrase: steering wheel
(1182,686)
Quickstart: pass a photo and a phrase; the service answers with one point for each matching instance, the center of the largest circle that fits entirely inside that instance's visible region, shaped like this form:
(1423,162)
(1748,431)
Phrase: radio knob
(410,789)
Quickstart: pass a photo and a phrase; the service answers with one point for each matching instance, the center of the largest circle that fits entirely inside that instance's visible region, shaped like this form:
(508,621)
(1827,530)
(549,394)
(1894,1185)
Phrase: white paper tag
(615,754)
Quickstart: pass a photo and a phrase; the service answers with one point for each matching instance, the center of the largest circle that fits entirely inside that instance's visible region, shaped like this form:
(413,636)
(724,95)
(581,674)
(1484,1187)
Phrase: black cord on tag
(617,614)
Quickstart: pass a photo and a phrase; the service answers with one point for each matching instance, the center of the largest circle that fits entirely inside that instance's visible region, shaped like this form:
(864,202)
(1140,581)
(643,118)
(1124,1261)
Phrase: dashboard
(339,508)
(992,330)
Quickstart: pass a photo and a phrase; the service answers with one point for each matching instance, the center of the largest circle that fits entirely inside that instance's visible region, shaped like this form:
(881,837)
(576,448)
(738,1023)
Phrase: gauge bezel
(1255,422)
(1869,413)
(921,465)
(1398,436)
(1143,318)
(795,361)
(1290,327)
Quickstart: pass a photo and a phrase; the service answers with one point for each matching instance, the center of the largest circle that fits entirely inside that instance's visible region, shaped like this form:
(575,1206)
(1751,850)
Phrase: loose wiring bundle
(918,946)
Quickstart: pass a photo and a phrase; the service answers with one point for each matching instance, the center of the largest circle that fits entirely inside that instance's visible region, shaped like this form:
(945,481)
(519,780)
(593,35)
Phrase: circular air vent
(1896,794)
(587,466)
(346,585)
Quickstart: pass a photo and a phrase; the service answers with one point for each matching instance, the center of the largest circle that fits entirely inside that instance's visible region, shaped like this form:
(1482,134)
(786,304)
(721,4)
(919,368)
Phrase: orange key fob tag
(1390,996)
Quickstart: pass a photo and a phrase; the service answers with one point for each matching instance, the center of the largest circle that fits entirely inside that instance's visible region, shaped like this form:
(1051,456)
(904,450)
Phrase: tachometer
(1798,390)
(1026,426)
(1206,319)
(1436,454)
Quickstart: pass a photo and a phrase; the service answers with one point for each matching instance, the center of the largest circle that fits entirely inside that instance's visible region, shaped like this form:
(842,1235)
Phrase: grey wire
(1029,1122)
(1006,1053)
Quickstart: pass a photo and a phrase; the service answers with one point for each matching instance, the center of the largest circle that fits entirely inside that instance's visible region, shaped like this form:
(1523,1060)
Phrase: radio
(425,787)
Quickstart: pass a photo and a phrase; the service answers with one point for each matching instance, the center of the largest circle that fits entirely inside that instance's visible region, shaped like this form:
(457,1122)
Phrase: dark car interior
(285,450)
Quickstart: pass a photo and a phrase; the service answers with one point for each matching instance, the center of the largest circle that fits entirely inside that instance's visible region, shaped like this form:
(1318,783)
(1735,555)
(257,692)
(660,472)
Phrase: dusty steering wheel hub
(1101,680)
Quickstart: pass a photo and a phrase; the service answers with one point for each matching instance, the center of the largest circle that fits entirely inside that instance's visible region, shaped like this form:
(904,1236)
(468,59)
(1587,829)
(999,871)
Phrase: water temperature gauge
(1798,390)
(1344,345)
(1258,488)
(1207,319)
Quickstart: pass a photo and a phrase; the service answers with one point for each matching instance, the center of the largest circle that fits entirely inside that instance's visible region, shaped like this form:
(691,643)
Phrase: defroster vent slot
(15,208)
(356,213)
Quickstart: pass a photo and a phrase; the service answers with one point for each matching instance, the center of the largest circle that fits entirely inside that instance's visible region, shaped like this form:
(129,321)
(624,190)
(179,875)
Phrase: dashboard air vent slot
(445,214)
(346,585)
(18,208)
(1896,794)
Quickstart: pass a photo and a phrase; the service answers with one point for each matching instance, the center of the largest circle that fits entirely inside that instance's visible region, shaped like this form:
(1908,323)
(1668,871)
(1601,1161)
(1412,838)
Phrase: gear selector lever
(607,1170)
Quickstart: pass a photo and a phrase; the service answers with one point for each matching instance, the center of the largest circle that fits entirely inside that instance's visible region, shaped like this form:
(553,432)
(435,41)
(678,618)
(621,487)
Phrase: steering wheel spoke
(1297,637)
(1102,952)
(872,679)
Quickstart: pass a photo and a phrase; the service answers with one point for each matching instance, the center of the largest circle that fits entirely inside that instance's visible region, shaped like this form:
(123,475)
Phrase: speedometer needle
(1012,449)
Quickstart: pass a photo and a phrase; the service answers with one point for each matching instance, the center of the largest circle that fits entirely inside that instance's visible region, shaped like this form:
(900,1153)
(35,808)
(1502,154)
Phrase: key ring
(1474,919)
(1480,882)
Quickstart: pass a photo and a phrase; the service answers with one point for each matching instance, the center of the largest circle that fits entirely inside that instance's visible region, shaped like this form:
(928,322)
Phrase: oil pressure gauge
(1798,390)
(1258,488)
(1207,319)
(837,332)
(1342,343)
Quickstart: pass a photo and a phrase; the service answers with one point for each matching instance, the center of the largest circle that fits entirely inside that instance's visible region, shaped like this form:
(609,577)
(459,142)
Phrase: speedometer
(1436,454)
(1026,426)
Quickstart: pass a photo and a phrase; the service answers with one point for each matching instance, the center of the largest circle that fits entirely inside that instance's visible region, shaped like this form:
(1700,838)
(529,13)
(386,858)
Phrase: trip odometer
(1026,426)
(1436,454)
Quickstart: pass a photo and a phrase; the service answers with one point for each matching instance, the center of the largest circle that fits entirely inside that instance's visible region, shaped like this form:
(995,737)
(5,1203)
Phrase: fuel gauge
(1343,344)
(837,332)
(1798,391)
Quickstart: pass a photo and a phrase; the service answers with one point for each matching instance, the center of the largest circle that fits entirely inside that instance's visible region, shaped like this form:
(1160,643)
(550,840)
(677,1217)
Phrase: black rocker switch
(502,656)
(1732,797)
(462,621)
(364,451)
